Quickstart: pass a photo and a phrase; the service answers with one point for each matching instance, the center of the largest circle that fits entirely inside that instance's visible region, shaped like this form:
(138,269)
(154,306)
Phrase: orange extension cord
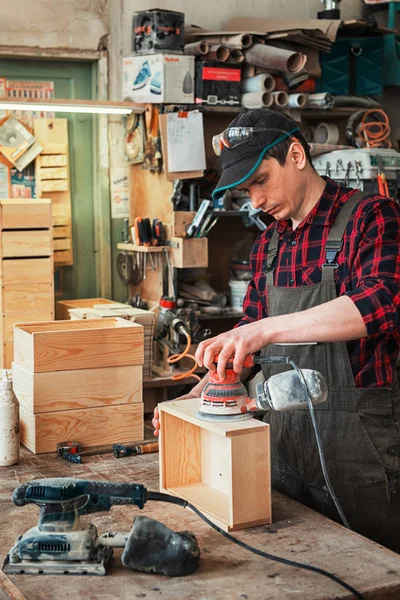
(177,357)
(375,133)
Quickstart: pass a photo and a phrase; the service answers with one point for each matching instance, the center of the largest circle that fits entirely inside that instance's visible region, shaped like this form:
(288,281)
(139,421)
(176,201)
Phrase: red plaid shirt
(369,273)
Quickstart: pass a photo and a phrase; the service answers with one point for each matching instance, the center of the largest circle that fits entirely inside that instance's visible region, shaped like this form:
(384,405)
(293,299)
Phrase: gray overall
(359,428)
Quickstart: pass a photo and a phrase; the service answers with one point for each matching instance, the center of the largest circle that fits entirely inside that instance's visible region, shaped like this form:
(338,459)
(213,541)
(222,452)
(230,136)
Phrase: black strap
(271,258)
(333,246)
(334,243)
(355,51)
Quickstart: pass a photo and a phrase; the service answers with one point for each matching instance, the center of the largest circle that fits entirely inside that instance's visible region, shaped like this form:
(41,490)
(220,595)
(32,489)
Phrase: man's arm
(336,321)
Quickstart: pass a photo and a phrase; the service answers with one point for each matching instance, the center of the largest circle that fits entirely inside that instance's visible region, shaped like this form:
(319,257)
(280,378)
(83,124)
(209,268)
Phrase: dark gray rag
(154,548)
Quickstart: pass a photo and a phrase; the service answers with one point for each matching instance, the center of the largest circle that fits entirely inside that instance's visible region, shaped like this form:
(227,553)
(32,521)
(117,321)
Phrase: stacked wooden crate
(53,181)
(79,380)
(26,267)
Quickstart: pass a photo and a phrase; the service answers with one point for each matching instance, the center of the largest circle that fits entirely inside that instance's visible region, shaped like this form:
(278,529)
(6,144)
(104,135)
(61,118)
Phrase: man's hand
(238,343)
(156,418)
(194,393)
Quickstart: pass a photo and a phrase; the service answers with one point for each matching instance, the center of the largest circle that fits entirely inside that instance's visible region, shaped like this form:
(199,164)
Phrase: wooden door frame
(101,172)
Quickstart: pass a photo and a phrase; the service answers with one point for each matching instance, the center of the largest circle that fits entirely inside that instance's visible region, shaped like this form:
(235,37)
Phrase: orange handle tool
(138,240)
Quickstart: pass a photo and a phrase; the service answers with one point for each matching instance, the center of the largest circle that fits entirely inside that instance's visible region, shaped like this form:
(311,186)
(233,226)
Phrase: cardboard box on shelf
(158,78)
(217,84)
(157,30)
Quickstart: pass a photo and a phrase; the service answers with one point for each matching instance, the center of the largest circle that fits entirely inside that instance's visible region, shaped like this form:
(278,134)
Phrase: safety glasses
(234,136)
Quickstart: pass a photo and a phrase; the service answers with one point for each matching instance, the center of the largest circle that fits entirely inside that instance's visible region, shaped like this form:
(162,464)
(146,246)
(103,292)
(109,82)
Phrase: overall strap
(272,254)
(334,243)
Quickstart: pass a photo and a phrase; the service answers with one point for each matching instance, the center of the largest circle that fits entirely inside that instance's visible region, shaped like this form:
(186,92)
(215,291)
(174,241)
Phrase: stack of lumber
(78,380)
(26,267)
(145,318)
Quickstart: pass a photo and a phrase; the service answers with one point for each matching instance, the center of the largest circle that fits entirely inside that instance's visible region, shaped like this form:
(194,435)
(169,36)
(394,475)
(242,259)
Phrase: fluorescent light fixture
(73,106)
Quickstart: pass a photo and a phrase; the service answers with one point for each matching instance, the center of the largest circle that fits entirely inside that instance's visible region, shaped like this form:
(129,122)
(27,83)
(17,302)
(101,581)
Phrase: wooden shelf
(134,248)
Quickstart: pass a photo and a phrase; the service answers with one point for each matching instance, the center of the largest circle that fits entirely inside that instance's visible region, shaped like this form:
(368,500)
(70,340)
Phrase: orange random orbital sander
(226,399)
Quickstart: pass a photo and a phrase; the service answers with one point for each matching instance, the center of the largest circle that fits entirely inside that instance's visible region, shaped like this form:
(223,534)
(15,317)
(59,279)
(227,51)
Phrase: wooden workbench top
(226,572)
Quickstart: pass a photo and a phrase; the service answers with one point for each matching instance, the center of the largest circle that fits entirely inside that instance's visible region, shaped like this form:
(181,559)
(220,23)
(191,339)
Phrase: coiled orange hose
(177,357)
(375,133)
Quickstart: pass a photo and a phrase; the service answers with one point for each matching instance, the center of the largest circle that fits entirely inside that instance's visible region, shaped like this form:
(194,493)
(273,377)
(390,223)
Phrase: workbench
(226,571)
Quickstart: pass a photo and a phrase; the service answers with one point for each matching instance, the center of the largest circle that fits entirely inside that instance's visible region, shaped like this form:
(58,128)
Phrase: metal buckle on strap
(332,249)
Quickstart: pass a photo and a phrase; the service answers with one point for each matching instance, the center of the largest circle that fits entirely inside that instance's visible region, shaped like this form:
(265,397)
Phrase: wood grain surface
(70,390)
(90,426)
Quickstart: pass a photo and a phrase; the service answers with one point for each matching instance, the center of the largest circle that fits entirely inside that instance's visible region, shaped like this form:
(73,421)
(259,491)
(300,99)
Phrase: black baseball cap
(240,162)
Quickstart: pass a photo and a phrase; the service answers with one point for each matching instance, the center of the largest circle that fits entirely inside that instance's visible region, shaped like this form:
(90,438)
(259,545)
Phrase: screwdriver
(120,451)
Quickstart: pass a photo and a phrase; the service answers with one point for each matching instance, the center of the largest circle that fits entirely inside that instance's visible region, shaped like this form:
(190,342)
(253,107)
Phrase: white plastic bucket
(238,292)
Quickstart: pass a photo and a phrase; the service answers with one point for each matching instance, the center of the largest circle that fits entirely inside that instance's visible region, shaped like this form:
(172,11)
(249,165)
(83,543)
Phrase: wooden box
(181,219)
(221,468)
(71,390)
(190,252)
(62,306)
(85,344)
(91,426)
(26,267)
(25,214)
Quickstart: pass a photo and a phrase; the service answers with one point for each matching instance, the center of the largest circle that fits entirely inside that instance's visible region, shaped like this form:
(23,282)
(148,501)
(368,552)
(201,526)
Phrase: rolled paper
(270,57)
(280,98)
(259,83)
(257,100)
(197,48)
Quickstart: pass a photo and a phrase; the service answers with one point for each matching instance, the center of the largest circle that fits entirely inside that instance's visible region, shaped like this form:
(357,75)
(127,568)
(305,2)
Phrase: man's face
(275,189)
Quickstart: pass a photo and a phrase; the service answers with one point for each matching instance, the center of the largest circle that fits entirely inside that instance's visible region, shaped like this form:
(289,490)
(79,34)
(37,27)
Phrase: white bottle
(9,423)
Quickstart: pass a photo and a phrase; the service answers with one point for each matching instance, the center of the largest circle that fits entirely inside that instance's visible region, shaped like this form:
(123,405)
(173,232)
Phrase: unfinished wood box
(221,468)
(72,390)
(190,252)
(26,267)
(181,220)
(79,380)
(41,432)
(63,306)
(85,344)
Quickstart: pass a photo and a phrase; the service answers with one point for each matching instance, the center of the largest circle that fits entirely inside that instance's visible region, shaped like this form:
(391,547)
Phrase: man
(326,271)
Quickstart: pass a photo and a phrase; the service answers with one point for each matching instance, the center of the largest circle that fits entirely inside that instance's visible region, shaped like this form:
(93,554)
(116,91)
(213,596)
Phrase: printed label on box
(158,78)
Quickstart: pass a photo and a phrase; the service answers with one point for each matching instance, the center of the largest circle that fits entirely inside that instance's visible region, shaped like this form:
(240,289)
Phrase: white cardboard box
(158,78)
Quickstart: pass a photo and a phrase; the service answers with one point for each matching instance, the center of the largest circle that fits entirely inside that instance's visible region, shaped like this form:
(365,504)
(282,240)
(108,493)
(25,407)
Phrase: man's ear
(297,155)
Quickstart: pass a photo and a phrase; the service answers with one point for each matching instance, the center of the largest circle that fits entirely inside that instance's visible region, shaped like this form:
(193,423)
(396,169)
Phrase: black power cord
(285,561)
(319,445)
